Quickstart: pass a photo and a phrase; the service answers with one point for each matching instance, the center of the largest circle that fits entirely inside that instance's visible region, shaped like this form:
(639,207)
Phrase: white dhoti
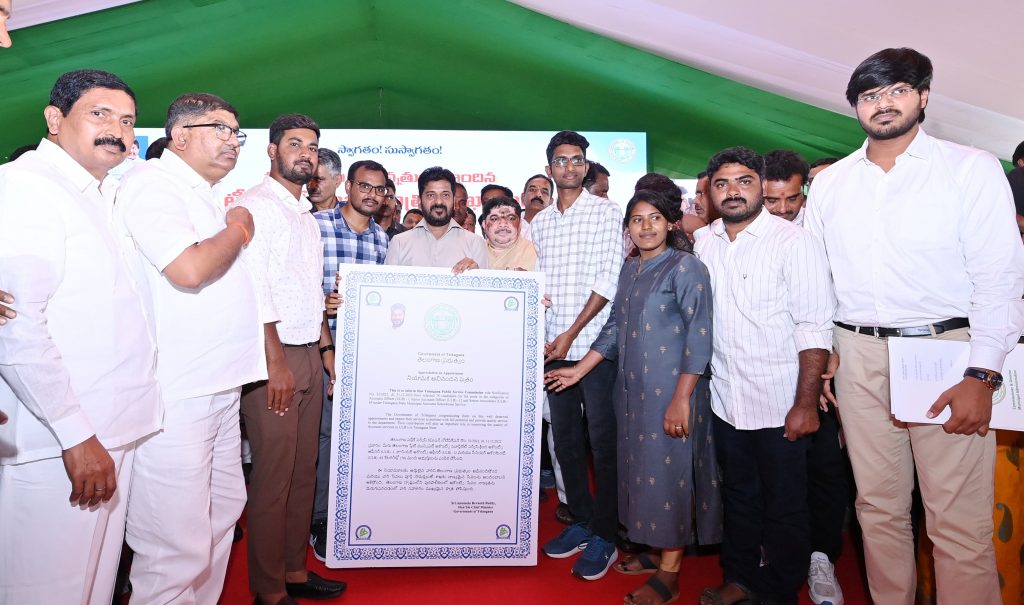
(187,494)
(53,552)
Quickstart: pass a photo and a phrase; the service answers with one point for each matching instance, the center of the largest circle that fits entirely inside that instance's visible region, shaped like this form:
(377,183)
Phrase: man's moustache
(110,141)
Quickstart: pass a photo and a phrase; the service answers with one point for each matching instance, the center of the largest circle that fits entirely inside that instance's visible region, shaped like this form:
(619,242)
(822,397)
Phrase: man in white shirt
(772,334)
(786,176)
(920,237)
(438,240)
(580,251)
(80,390)
(210,338)
(282,415)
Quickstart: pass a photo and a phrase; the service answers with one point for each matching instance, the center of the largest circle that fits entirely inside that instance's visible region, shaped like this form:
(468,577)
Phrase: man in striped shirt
(772,333)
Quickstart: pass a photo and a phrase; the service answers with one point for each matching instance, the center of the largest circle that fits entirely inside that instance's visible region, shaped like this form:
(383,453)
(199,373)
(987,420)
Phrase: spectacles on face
(377,189)
(223,131)
(875,97)
(561,161)
(494,219)
(432,196)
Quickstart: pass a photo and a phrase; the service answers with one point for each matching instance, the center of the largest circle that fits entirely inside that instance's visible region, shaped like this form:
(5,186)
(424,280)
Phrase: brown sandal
(647,565)
(713,596)
(658,587)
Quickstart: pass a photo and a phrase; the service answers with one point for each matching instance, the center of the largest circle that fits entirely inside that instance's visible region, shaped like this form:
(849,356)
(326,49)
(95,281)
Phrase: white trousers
(50,551)
(187,494)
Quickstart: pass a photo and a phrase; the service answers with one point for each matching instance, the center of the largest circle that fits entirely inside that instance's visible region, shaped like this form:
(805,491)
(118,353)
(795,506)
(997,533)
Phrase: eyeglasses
(561,161)
(431,196)
(223,131)
(366,188)
(895,93)
(494,219)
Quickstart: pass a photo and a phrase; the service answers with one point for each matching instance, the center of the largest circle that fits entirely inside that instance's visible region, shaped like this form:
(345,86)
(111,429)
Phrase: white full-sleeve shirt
(286,260)
(772,299)
(210,339)
(79,359)
(932,239)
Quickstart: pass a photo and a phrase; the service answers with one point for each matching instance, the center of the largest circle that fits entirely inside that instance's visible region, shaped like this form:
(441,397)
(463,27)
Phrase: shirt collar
(175,164)
(756,228)
(423,223)
(919,148)
(67,165)
(298,205)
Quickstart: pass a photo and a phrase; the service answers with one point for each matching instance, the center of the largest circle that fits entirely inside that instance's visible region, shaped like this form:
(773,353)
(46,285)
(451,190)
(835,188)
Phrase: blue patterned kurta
(660,326)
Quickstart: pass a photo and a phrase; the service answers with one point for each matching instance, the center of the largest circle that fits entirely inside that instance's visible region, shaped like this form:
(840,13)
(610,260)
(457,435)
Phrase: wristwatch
(992,380)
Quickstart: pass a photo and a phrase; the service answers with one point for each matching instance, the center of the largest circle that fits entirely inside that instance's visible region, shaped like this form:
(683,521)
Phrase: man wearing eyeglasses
(350,235)
(209,335)
(387,216)
(438,241)
(506,248)
(580,250)
(921,244)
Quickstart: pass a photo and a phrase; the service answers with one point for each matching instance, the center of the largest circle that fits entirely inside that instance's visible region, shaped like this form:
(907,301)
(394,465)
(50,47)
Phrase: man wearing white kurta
(188,488)
(78,364)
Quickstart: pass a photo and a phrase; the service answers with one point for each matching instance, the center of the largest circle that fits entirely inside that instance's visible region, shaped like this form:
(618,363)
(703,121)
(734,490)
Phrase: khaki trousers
(284,450)
(955,473)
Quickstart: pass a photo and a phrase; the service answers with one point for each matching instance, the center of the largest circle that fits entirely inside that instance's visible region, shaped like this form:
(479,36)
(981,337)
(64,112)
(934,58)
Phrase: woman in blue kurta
(660,334)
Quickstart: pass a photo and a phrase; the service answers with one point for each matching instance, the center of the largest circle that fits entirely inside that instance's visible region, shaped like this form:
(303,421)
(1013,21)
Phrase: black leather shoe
(315,587)
(563,515)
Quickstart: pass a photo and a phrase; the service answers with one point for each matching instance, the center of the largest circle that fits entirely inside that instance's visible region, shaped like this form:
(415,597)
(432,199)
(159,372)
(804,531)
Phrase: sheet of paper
(437,417)
(920,369)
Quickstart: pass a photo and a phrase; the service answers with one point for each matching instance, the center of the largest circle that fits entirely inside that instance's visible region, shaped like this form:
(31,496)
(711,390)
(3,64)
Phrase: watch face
(995,382)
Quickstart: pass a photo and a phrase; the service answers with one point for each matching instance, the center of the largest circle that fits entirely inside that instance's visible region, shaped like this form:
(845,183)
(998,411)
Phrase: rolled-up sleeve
(31,268)
(812,302)
(995,265)
(608,252)
(606,343)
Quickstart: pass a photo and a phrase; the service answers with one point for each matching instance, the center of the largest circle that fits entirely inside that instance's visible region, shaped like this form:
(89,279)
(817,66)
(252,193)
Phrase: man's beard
(434,221)
(751,211)
(292,174)
(893,129)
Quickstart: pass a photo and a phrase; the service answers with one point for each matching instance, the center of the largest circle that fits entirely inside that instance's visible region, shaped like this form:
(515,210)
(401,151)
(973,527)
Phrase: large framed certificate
(436,423)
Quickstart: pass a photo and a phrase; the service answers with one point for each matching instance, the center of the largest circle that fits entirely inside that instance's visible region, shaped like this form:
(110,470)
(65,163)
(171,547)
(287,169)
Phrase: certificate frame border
(523,550)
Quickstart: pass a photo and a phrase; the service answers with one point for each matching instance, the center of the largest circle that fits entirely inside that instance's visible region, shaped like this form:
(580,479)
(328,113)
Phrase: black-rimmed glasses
(223,131)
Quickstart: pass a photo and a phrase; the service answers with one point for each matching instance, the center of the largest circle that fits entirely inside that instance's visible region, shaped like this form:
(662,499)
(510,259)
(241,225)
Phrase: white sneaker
(821,578)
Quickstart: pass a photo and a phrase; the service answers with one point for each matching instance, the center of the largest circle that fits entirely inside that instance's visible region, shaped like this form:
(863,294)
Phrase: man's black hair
(366,165)
(592,172)
(291,121)
(71,86)
(567,137)
(827,161)
(505,191)
(498,202)
(782,164)
(736,155)
(888,67)
(436,173)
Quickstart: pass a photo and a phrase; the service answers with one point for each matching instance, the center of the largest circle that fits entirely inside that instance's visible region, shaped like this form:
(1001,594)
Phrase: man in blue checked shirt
(350,235)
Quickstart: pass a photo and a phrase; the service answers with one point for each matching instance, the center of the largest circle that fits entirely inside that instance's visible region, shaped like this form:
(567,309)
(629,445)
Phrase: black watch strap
(992,380)
(326,348)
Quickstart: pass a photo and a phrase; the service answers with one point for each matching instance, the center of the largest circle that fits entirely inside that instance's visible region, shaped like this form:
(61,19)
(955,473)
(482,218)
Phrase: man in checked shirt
(579,249)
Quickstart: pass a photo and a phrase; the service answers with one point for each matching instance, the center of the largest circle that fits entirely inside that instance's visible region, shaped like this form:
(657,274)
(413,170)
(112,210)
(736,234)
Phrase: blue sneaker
(572,540)
(596,559)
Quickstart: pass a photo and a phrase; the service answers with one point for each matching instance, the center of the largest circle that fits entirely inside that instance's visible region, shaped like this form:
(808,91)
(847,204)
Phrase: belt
(936,328)
(307,345)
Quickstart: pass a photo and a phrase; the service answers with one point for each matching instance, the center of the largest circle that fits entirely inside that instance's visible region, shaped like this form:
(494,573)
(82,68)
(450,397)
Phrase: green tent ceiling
(429,64)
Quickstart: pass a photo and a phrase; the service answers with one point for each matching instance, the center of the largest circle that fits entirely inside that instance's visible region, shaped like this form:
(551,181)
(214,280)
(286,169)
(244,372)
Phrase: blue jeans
(323,461)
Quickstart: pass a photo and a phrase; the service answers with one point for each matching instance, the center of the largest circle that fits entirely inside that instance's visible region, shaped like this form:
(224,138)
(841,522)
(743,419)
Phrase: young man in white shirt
(80,391)
(282,415)
(772,334)
(210,337)
(921,241)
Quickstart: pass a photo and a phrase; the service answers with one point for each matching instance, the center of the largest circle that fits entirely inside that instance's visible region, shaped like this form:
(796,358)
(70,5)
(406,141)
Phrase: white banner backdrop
(477,157)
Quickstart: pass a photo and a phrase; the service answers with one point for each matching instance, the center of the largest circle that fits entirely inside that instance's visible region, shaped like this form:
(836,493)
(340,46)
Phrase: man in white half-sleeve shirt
(282,415)
(78,363)
(921,240)
(210,338)
(772,334)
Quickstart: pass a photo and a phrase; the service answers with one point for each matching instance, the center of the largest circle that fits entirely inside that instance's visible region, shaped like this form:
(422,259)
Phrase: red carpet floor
(549,582)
